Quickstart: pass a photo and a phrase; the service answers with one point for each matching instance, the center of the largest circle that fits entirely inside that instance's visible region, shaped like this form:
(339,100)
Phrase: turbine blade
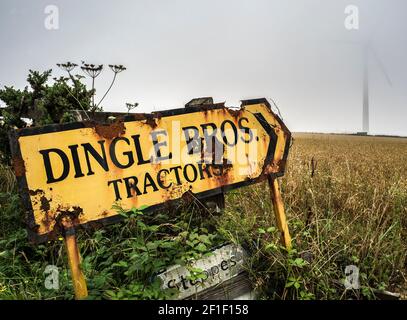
(381,65)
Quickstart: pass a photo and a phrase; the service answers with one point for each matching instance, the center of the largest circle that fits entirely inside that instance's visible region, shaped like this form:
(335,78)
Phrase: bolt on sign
(78,171)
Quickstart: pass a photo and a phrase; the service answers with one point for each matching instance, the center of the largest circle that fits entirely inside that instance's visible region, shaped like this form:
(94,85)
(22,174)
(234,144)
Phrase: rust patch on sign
(107,131)
(60,219)
(110,131)
(19,167)
(226,164)
(68,217)
(226,173)
(149,118)
(151,122)
(35,192)
(48,221)
(45,206)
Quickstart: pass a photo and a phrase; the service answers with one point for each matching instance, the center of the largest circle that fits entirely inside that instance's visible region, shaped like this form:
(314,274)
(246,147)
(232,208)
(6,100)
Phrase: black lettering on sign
(245,130)
(160,181)
(214,139)
(224,265)
(224,135)
(190,178)
(149,183)
(133,153)
(204,167)
(101,159)
(184,281)
(131,185)
(76,162)
(176,170)
(113,156)
(47,164)
(194,142)
(171,284)
(233,261)
(136,139)
(157,145)
(116,188)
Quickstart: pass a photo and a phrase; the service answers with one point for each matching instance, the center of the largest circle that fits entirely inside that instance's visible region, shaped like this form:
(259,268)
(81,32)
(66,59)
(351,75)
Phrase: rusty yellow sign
(83,169)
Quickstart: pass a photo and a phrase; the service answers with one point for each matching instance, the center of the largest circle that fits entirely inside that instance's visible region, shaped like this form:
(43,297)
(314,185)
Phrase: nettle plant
(123,261)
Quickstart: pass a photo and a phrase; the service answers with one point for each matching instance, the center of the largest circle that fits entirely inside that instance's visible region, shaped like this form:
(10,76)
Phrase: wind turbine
(369,51)
(352,23)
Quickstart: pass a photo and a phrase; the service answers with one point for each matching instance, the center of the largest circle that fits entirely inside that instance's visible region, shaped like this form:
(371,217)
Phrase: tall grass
(351,211)
(7,179)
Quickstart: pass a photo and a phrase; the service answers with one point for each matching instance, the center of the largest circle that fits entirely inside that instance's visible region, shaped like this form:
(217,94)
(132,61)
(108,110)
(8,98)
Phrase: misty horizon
(297,53)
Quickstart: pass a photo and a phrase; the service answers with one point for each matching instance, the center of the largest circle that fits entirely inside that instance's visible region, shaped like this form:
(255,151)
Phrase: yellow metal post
(279,211)
(78,279)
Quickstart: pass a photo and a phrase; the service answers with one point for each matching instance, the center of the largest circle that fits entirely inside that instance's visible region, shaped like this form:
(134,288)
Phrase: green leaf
(151,245)
(121,264)
(201,247)
(204,239)
(196,270)
(193,236)
(4,253)
(271,229)
(110,293)
(271,246)
(143,207)
(300,262)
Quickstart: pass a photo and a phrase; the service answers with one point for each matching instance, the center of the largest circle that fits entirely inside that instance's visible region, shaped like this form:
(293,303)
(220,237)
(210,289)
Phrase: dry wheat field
(346,202)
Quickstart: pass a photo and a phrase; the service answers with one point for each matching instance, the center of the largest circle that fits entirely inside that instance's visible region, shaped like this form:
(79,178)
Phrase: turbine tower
(368,51)
(365,115)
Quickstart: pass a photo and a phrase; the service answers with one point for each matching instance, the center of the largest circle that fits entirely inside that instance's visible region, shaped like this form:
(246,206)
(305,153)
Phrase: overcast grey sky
(297,52)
